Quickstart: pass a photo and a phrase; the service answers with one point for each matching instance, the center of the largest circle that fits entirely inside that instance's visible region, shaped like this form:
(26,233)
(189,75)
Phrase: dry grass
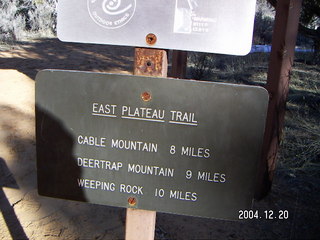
(300,150)
(250,69)
(24,19)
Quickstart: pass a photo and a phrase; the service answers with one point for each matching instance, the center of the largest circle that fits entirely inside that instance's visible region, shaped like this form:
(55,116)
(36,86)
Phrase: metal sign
(175,146)
(219,26)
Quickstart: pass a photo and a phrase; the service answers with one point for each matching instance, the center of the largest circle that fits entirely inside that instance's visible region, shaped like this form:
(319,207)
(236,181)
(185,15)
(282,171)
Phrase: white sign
(217,26)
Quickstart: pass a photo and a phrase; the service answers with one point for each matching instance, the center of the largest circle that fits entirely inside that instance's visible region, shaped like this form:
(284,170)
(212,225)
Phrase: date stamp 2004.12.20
(266,214)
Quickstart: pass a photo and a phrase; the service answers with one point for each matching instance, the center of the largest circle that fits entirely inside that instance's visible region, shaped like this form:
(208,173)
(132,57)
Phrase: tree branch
(308,32)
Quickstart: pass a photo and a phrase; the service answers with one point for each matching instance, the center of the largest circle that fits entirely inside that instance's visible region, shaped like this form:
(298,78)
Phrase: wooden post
(179,64)
(281,60)
(150,62)
(140,224)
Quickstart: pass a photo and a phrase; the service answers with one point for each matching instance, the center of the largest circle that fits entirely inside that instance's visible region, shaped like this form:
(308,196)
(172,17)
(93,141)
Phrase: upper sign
(175,146)
(217,26)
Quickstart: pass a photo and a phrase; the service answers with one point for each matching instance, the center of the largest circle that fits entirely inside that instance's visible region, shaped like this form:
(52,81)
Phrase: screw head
(132,201)
(151,39)
(146,96)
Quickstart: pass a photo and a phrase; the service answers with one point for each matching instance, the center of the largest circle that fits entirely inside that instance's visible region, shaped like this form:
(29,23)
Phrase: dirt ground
(26,215)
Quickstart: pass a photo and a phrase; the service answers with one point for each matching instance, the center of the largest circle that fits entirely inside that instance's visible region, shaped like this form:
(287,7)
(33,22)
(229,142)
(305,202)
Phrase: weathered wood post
(179,64)
(140,224)
(281,60)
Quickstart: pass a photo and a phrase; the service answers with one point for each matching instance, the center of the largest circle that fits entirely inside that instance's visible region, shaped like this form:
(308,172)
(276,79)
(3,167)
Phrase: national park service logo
(111,14)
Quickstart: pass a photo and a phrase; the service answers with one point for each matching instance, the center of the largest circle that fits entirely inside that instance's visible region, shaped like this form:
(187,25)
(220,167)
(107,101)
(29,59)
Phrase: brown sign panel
(175,146)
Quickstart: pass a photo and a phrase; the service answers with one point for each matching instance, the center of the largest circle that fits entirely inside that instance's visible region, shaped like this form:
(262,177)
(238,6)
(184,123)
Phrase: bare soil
(26,215)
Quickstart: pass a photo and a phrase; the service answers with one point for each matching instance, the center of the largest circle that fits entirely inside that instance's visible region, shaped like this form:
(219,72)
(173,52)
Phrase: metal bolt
(151,39)
(146,96)
(149,63)
(132,201)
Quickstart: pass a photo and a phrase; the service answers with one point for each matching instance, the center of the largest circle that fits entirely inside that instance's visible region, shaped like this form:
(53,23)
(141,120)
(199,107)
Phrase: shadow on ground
(12,222)
(30,57)
(26,215)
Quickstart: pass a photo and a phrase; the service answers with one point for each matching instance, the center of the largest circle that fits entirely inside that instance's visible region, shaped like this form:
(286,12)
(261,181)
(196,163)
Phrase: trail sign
(220,26)
(175,146)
